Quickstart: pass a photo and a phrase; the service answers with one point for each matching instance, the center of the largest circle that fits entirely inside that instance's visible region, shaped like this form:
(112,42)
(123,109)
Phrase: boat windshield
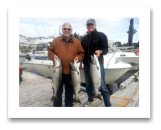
(42,47)
(112,49)
(25,51)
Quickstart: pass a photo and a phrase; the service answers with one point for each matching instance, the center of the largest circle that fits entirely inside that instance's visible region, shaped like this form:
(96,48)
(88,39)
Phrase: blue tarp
(35,72)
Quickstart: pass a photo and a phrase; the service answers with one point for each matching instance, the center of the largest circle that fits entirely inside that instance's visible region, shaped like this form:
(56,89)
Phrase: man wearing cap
(68,49)
(95,43)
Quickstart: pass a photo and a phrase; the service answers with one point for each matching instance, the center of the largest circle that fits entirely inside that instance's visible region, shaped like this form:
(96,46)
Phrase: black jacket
(92,42)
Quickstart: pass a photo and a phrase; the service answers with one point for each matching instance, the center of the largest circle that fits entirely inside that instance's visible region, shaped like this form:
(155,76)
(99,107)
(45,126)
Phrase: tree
(118,44)
(80,38)
(76,35)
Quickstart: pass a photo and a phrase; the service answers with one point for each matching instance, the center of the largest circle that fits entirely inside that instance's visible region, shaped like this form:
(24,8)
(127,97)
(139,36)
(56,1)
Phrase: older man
(95,43)
(68,49)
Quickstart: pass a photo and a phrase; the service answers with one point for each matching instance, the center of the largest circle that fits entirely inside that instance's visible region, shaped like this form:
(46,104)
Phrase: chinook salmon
(95,73)
(57,77)
(75,75)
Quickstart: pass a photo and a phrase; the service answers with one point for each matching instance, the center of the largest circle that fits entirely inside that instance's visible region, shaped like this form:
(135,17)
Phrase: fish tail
(76,100)
(55,99)
(97,96)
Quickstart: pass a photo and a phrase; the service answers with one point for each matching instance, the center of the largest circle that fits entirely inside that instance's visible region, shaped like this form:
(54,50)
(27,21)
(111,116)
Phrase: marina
(36,91)
(116,62)
(121,67)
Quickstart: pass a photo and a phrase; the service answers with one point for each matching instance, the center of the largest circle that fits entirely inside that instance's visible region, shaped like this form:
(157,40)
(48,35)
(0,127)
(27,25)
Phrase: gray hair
(67,24)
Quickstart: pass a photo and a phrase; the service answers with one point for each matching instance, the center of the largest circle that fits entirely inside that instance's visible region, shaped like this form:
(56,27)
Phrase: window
(42,46)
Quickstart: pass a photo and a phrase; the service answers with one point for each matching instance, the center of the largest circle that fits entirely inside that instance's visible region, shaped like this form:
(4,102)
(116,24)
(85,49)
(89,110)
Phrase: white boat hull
(45,68)
(130,59)
(41,67)
(111,75)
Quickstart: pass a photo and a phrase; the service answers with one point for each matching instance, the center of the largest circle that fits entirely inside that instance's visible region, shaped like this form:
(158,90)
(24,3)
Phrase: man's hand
(80,67)
(76,59)
(55,57)
(98,52)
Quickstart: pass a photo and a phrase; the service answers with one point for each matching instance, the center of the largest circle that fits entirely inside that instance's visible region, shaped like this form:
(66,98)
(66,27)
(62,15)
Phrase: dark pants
(89,85)
(66,79)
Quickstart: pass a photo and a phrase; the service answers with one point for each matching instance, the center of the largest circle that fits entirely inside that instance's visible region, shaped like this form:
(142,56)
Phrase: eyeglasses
(67,29)
(90,24)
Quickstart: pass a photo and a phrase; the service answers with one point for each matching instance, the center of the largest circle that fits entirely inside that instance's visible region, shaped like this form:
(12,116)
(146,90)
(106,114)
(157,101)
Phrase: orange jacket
(66,53)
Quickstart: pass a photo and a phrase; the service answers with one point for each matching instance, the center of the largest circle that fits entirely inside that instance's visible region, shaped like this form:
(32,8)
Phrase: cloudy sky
(115,28)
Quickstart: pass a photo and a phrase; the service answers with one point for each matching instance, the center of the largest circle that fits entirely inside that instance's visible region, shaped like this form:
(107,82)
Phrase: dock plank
(123,102)
(97,104)
(137,105)
(82,98)
(36,91)
(45,99)
(133,102)
(111,99)
(129,91)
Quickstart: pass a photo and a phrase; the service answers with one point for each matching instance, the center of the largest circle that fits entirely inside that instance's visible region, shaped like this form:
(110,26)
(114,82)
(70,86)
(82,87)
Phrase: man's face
(67,30)
(91,27)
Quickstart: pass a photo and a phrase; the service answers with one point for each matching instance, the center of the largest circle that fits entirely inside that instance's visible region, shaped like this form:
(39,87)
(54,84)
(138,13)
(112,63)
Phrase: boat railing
(116,50)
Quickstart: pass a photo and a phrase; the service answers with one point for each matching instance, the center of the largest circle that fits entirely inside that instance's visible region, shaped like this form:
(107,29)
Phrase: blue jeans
(66,79)
(89,86)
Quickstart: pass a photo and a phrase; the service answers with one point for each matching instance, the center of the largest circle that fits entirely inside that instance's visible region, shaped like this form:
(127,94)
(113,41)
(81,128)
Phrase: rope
(44,27)
(48,27)
(36,27)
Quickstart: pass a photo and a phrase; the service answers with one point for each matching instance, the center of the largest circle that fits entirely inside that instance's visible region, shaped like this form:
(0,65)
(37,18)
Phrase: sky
(114,28)
(112,20)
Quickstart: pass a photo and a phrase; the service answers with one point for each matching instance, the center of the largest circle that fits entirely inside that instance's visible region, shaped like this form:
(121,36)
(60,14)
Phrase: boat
(126,56)
(112,72)
(44,66)
(113,68)
(38,61)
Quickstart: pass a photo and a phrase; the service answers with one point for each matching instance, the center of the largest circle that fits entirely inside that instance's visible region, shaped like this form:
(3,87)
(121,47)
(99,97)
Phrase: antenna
(36,27)
(55,33)
(44,27)
(48,27)
(59,29)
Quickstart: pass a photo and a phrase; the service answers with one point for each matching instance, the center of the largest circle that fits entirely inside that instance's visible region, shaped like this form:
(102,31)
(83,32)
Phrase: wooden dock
(36,91)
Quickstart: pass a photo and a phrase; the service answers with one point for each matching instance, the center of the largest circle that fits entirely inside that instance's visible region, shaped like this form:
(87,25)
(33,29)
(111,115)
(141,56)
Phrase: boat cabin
(41,52)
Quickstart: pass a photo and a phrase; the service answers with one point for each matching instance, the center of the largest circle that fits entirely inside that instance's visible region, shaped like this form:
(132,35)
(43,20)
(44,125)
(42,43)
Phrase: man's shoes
(87,103)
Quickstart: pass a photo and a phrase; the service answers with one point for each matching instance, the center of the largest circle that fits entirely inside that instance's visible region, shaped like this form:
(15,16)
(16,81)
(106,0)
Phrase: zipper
(88,48)
(86,44)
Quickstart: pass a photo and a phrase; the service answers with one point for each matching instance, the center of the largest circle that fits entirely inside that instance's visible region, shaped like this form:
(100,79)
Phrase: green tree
(118,44)
(76,35)
(80,38)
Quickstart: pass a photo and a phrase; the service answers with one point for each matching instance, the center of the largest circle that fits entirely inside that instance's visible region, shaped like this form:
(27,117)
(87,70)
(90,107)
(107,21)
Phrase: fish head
(75,66)
(58,63)
(94,59)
